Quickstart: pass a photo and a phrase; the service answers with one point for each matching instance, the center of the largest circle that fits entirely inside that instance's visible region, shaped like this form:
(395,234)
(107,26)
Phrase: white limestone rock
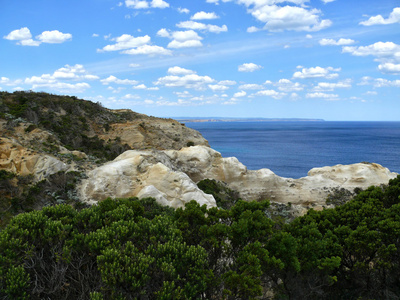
(143,174)
(170,177)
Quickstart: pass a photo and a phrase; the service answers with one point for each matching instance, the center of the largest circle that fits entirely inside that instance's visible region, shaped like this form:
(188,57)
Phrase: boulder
(170,176)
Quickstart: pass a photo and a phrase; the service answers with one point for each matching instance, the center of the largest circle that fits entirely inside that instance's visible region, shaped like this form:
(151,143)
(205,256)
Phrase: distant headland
(222,119)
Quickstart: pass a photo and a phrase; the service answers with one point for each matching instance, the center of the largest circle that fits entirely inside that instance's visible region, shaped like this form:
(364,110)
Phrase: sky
(328,59)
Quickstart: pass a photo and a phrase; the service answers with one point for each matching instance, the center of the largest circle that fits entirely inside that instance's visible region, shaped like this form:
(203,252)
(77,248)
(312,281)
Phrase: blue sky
(329,59)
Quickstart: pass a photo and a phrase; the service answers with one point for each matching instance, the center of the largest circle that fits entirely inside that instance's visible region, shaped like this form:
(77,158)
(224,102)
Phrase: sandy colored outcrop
(143,174)
(170,177)
(23,161)
(153,133)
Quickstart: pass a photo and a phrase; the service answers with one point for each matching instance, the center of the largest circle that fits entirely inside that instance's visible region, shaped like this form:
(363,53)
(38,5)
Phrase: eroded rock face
(143,174)
(170,177)
(23,161)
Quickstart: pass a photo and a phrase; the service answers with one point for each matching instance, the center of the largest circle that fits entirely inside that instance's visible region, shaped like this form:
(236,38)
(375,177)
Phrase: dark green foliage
(224,196)
(136,249)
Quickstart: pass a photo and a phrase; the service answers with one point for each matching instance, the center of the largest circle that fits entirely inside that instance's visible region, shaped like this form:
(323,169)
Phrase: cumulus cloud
(54,37)
(201,26)
(181,39)
(183,10)
(113,79)
(379,82)
(19,34)
(389,68)
(332,42)
(330,86)
(188,81)
(323,96)
(141,4)
(285,85)
(56,81)
(251,86)
(270,93)
(317,72)
(240,94)
(218,87)
(279,18)
(204,16)
(23,37)
(227,82)
(249,67)
(126,41)
(148,50)
(379,49)
(179,71)
(159,4)
(394,17)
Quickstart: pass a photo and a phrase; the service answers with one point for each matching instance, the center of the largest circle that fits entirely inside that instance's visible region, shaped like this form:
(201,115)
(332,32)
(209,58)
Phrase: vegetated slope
(91,128)
(49,142)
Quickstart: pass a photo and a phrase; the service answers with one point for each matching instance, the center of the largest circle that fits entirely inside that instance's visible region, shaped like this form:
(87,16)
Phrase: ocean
(291,149)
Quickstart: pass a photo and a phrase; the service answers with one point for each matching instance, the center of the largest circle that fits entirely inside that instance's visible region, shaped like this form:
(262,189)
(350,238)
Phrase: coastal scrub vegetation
(137,249)
(74,122)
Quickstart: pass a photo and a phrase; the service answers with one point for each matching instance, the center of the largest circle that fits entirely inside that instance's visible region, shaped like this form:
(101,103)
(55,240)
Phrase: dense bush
(136,249)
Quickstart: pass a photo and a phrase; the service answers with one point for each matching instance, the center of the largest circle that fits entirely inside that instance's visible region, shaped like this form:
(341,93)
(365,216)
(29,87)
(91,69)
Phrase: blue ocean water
(291,149)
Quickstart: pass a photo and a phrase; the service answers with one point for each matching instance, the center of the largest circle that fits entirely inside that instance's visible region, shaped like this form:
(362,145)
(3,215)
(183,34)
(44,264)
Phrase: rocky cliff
(120,153)
(170,176)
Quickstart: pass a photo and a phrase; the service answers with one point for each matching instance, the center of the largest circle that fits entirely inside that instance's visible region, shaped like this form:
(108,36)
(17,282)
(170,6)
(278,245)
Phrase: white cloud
(19,34)
(134,65)
(188,81)
(332,42)
(163,33)
(181,39)
(251,86)
(379,82)
(95,35)
(179,71)
(317,72)
(24,37)
(379,49)
(327,1)
(184,44)
(140,87)
(309,36)
(218,87)
(279,18)
(389,68)
(113,79)
(131,97)
(204,16)
(285,85)
(329,86)
(325,96)
(252,29)
(126,41)
(270,93)
(201,26)
(148,50)
(227,82)
(183,10)
(54,37)
(249,67)
(137,4)
(159,4)
(240,94)
(394,17)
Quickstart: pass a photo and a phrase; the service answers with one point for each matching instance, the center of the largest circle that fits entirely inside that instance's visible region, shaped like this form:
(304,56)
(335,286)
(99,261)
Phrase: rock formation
(170,177)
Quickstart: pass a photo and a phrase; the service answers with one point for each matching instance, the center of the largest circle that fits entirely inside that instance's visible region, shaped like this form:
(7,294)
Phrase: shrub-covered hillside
(135,249)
